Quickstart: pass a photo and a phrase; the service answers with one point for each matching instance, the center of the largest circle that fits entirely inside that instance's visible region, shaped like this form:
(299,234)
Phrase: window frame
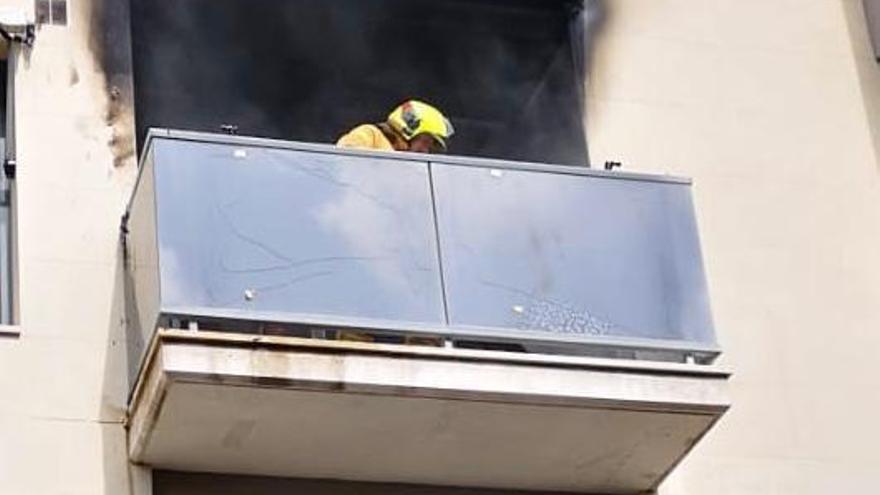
(51,12)
(9,302)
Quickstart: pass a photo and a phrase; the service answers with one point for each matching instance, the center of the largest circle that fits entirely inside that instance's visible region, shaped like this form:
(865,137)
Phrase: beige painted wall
(62,388)
(760,101)
(866,63)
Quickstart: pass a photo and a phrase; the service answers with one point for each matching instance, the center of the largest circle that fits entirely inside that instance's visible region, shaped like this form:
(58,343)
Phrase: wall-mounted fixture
(15,26)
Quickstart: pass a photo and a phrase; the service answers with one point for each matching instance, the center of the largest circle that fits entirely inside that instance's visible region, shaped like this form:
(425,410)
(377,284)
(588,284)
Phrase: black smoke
(508,73)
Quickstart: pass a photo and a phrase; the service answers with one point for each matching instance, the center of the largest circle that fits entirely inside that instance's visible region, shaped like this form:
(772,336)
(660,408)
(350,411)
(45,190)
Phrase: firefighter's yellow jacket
(366,136)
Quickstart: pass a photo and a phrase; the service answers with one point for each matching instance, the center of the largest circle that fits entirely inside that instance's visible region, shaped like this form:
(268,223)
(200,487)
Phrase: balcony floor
(279,406)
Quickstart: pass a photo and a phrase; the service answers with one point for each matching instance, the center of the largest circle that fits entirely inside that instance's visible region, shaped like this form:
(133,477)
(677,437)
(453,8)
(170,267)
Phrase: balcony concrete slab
(278,406)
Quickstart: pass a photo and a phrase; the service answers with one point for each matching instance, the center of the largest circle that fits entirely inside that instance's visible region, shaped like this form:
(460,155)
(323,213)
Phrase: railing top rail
(206,137)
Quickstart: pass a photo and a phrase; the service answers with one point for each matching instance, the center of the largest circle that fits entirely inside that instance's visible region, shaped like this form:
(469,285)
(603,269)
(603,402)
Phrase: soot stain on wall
(110,44)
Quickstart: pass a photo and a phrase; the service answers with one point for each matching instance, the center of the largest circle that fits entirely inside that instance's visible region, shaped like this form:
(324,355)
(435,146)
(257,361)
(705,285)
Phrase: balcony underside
(281,406)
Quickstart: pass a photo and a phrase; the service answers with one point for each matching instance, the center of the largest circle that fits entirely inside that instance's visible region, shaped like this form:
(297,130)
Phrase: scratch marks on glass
(328,174)
(290,282)
(265,247)
(301,263)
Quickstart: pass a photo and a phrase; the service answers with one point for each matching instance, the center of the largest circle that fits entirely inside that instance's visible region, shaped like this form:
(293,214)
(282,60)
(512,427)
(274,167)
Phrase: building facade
(771,108)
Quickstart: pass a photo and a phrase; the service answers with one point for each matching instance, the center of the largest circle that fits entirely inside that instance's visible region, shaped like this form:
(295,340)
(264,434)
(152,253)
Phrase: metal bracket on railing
(123,236)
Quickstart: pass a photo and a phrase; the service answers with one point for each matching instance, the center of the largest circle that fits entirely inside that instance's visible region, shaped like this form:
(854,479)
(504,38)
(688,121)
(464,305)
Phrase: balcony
(565,310)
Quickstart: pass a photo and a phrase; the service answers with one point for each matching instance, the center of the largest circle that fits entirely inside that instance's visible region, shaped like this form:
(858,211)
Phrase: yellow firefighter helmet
(413,118)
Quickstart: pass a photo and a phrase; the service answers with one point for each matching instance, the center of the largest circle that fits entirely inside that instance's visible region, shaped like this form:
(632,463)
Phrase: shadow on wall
(121,356)
(114,391)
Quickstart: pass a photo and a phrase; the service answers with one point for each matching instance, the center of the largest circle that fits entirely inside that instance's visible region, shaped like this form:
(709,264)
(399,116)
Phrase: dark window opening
(51,12)
(43,11)
(182,483)
(504,71)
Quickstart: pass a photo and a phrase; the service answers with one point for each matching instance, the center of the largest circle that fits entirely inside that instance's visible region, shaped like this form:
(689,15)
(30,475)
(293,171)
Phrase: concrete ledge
(279,406)
(266,341)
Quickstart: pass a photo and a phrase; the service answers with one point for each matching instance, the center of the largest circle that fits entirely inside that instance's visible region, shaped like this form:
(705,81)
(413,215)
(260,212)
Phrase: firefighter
(413,126)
